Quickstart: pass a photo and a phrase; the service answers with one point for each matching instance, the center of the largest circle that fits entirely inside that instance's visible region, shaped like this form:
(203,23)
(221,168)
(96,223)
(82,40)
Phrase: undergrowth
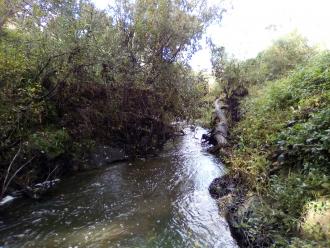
(283,145)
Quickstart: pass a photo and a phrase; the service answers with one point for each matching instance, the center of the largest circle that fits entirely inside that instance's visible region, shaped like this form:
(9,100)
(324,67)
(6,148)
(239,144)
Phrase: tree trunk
(220,130)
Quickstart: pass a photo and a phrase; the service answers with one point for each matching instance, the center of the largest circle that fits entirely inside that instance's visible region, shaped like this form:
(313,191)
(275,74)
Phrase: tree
(71,73)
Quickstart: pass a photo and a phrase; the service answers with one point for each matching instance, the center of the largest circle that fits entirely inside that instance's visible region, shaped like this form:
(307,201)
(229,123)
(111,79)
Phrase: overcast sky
(249,26)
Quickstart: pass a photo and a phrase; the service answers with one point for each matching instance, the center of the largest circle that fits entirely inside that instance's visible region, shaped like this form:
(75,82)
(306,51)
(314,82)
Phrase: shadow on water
(158,202)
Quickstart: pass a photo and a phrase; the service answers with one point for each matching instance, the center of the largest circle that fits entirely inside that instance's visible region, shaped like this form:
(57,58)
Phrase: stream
(158,202)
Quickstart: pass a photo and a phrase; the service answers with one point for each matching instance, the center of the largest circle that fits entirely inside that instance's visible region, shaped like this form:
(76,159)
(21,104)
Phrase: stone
(104,155)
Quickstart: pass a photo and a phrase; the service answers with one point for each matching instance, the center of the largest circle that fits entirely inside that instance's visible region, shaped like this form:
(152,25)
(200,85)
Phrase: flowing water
(158,202)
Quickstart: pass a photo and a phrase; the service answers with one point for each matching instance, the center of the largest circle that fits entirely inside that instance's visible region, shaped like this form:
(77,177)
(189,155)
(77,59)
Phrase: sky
(250,26)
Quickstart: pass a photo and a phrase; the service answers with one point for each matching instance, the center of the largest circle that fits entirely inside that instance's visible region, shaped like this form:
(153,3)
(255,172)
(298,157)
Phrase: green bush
(52,143)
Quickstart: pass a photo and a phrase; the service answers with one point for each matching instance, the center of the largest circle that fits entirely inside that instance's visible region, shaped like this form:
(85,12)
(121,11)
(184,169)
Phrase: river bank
(231,189)
(100,156)
(93,157)
(238,204)
(277,191)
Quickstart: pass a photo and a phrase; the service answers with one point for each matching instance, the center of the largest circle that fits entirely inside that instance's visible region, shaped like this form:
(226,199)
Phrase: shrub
(52,143)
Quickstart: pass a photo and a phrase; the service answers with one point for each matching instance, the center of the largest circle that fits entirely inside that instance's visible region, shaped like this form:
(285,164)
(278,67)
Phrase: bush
(52,143)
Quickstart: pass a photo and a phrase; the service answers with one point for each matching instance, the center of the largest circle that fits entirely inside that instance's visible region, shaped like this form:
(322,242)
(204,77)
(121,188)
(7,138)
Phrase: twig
(15,173)
(4,187)
(51,172)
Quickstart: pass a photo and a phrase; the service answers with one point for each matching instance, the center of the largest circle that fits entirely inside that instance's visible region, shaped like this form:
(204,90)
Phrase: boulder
(104,155)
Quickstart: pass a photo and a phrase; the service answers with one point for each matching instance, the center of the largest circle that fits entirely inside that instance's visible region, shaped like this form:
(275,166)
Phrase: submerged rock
(103,155)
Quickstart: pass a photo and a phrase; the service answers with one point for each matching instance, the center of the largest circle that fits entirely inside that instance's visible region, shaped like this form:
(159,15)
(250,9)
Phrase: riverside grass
(283,146)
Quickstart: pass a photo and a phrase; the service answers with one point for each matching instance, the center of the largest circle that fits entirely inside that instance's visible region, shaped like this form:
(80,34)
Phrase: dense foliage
(283,144)
(72,76)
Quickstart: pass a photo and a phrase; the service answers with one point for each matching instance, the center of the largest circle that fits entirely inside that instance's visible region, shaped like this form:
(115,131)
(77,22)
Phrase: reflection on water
(159,202)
